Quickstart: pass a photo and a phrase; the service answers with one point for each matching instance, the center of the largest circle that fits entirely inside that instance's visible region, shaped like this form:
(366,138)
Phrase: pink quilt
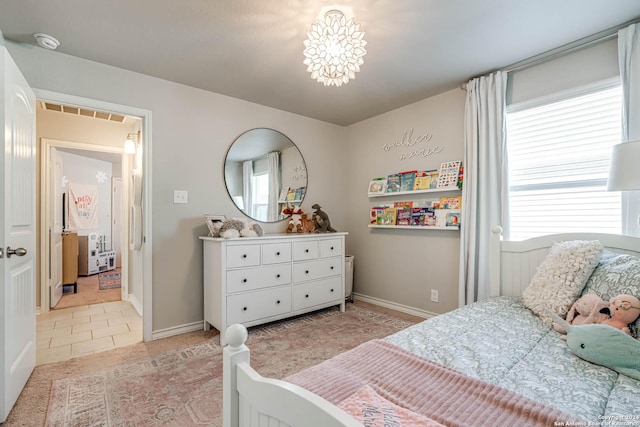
(421,387)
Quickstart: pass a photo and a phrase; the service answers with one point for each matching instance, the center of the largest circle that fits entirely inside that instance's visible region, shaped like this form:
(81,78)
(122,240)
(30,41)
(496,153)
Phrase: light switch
(180,196)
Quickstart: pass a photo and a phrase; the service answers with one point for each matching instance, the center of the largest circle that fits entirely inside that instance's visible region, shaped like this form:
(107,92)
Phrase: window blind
(558,156)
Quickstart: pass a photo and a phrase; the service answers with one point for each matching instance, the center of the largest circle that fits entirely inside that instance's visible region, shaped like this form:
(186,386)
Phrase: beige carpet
(177,381)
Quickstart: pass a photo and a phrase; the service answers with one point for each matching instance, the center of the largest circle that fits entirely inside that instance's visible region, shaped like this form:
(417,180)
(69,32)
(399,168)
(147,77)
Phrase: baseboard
(394,306)
(135,302)
(177,330)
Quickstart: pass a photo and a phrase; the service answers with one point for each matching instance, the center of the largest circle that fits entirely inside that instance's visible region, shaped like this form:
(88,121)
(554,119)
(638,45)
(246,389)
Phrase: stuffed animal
(237,227)
(587,309)
(623,310)
(603,345)
(308,224)
(323,225)
(295,222)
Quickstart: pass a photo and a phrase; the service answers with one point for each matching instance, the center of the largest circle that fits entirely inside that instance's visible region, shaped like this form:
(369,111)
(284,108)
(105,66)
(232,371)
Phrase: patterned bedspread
(502,342)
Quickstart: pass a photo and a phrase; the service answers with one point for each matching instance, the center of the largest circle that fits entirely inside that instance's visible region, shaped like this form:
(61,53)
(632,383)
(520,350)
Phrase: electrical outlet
(434,295)
(180,196)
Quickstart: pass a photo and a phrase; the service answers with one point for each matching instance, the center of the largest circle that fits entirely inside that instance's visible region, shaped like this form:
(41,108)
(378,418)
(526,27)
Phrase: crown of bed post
(234,353)
(494,260)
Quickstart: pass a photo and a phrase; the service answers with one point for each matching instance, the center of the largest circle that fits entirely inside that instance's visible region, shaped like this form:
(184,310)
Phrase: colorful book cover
(434,174)
(418,216)
(430,218)
(377,185)
(283,194)
(393,183)
(403,216)
(448,174)
(453,219)
(407,180)
(404,204)
(451,202)
(300,193)
(389,217)
(460,176)
(376,215)
(291,195)
(423,180)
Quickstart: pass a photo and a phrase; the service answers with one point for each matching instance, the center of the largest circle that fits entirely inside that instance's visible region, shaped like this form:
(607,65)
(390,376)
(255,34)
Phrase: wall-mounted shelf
(415,227)
(289,201)
(405,193)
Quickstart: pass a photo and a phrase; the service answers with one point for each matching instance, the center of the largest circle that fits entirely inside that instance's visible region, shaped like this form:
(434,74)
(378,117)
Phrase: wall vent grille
(82,112)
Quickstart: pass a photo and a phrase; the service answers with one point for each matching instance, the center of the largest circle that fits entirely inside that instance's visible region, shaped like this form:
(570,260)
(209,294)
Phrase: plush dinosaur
(603,345)
(323,225)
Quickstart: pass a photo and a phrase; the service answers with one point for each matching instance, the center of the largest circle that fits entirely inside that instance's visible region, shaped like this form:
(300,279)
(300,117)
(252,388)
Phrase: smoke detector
(46,41)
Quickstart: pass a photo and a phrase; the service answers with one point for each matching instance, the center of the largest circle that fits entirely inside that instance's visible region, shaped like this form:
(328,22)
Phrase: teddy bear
(623,310)
(587,309)
(237,227)
(295,221)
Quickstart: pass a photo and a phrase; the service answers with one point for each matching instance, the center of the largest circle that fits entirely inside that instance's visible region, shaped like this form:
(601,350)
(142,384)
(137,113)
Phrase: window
(261,195)
(558,155)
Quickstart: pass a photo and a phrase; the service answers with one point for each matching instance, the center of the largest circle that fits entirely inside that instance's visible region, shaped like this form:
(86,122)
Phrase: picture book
(376,215)
(283,194)
(432,204)
(453,219)
(451,202)
(423,180)
(389,217)
(430,218)
(418,216)
(300,192)
(377,185)
(403,216)
(407,180)
(393,183)
(406,204)
(448,174)
(291,195)
(433,182)
(461,177)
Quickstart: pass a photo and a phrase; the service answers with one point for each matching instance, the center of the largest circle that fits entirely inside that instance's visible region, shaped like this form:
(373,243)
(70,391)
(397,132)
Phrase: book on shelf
(431,204)
(451,202)
(423,180)
(404,204)
(461,176)
(448,218)
(376,215)
(291,194)
(378,186)
(388,217)
(418,216)
(403,216)
(393,183)
(407,180)
(283,194)
(448,174)
(300,193)
(433,182)
(452,219)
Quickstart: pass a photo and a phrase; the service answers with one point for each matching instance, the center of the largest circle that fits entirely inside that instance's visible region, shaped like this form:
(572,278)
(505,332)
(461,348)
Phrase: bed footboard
(252,400)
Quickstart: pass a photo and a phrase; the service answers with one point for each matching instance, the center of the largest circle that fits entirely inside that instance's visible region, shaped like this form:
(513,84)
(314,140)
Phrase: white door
(17,234)
(55,228)
(116,215)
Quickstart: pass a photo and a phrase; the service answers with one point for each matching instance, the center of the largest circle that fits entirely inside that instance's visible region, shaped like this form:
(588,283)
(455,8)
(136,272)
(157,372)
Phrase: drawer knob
(278,302)
(244,255)
(277,276)
(244,280)
(331,247)
(244,308)
(331,290)
(331,267)
(306,272)
(306,251)
(306,296)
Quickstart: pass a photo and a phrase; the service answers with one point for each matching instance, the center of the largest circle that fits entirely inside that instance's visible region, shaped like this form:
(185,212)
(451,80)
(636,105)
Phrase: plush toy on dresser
(323,225)
(237,227)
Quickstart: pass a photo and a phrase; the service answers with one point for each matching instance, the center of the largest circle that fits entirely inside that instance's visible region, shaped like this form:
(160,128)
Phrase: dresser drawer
(319,269)
(274,253)
(256,278)
(305,250)
(316,293)
(329,248)
(243,256)
(245,308)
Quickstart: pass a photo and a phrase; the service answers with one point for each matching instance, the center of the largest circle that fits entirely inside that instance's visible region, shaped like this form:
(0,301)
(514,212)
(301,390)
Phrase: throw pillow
(560,278)
(616,274)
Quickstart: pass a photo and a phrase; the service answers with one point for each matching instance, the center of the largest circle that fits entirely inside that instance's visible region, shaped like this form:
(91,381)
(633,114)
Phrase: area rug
(183,387)
(109,280)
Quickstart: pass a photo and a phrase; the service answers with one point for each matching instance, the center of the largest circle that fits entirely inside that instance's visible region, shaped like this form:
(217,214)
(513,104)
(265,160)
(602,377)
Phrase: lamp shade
(624,169)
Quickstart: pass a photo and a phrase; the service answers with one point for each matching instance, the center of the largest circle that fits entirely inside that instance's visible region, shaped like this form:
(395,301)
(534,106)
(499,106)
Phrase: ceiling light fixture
(130,144)
(334,49)
(46,41)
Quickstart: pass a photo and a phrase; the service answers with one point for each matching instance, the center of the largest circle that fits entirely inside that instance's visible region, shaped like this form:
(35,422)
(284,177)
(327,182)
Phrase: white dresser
(255,280)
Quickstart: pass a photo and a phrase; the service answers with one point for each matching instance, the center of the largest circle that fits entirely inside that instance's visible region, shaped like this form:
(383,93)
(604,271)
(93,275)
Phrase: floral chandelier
(334,49)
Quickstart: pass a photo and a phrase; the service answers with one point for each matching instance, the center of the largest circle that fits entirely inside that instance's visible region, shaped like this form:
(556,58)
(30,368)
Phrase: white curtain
(485,189)
(629,63)
(273,165)
(247,185)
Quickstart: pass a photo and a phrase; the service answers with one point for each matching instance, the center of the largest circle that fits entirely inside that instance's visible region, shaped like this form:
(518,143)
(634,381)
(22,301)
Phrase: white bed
(251,400)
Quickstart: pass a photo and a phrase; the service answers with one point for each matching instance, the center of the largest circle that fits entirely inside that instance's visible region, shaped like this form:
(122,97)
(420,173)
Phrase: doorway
(135,262)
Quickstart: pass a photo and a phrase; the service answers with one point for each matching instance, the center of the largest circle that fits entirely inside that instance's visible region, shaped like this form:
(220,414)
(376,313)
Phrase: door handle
(19,251)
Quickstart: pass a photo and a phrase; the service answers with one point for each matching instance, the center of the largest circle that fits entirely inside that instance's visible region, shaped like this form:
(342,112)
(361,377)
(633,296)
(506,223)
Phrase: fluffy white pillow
(560,278)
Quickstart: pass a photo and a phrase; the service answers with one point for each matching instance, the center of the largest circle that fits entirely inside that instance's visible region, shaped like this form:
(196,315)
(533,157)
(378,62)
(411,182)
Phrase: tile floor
(87,329)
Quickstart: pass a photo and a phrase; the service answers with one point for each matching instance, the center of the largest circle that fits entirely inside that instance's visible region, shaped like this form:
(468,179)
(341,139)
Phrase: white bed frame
(255,401)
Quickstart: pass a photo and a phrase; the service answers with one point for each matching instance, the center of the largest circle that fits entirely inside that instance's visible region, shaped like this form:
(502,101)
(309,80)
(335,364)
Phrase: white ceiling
(252,49)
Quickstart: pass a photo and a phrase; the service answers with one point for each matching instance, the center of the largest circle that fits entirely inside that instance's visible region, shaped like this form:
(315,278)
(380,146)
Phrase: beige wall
(191,131)
(402,266)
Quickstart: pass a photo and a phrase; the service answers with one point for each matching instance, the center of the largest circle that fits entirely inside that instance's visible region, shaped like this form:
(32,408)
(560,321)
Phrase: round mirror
(264,171)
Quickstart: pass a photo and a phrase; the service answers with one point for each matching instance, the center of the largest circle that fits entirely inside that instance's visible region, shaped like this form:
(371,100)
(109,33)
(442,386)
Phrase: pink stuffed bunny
(587,309)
